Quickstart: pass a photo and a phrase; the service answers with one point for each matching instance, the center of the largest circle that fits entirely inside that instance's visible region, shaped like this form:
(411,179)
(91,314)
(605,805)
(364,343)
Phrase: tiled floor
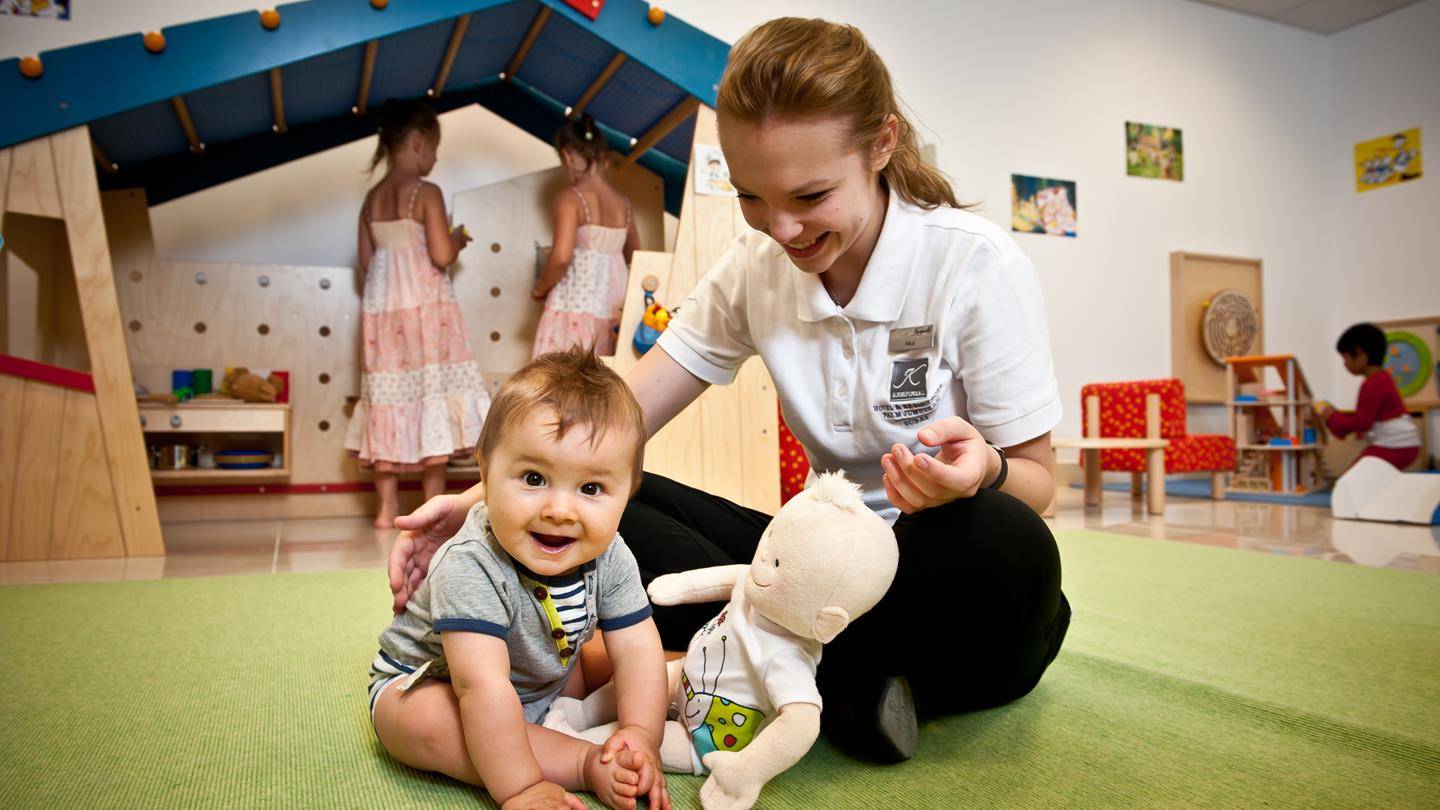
(332,544)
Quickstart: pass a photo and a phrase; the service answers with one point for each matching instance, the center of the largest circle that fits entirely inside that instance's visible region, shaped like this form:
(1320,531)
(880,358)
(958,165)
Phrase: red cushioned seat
(1122,415)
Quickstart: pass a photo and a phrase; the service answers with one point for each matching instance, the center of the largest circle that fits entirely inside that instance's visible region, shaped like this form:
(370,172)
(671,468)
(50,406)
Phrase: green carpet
(1192,676)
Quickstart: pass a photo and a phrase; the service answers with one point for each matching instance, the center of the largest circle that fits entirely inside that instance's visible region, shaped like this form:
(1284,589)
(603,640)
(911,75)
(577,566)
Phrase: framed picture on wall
(47,9)
(1387,160)
(1154,151)
(1043,205)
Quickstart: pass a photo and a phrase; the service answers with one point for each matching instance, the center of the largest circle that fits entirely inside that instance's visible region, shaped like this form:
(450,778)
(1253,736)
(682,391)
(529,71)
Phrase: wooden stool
(1090,449)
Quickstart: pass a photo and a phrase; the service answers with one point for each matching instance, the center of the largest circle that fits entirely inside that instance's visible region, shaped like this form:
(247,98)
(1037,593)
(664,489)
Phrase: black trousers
(973,619)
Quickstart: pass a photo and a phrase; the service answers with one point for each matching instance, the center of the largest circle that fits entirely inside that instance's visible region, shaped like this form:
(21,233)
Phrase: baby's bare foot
(613,782)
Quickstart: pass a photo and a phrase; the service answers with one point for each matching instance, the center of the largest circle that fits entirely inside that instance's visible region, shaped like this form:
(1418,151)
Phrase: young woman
(908,344)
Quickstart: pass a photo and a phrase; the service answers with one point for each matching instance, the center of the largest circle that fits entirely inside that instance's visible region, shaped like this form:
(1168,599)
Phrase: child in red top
(1379,411)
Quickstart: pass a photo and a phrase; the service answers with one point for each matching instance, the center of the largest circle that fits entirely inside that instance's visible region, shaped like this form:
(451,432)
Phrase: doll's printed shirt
(474,586)
(948,320)
(740,669)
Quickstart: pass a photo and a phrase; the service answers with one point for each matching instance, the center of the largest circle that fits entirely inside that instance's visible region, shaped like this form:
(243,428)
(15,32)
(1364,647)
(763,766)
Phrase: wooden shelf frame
(1291,469)
(250,418)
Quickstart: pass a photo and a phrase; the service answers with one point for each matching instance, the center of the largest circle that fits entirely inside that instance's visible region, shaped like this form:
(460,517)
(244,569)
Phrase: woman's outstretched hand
(961,465)
(425,531)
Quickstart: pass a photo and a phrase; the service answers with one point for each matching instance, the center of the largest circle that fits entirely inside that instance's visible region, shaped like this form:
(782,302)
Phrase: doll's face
(820,566)
(795,568)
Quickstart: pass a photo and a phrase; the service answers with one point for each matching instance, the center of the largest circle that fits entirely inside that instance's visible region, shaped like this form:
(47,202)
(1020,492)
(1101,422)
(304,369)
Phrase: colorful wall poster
(50,9)
(1042,205)
(1388,160)
(1154,151)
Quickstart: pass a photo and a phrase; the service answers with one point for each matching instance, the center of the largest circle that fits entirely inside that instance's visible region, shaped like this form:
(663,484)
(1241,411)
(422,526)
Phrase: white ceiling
(1323,16)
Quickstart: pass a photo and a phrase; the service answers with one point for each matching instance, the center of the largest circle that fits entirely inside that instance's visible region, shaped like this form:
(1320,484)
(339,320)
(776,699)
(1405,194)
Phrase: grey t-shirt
(474,586)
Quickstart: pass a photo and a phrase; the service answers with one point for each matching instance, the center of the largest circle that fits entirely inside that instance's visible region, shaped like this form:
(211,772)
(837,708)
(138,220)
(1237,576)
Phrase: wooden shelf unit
(219,417)
(1260,466)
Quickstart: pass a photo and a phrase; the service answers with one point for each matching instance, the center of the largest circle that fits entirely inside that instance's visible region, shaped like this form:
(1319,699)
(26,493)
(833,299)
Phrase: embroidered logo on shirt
(907,379)
(908,413)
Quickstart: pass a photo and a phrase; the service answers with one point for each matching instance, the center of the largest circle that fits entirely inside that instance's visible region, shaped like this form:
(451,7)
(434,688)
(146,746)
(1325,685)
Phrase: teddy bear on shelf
(251,387)
(746,706)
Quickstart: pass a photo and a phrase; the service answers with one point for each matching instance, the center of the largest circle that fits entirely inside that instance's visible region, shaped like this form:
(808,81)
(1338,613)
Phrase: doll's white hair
(835,488)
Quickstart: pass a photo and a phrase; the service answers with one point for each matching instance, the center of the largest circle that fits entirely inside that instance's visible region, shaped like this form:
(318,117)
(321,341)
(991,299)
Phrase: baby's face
(555,505)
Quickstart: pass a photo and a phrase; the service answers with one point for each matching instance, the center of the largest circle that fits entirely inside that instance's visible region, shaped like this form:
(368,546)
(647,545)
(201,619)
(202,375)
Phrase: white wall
(1385,246)
(1043,87)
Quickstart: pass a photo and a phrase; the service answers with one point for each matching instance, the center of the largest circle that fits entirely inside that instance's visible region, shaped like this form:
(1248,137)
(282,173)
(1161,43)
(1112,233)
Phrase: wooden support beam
(182,111)
(527,43)
(672,119)
(367,72)
(277,101)
(124,445)
(596,86)
(32,188)
(101,159)
(457,35)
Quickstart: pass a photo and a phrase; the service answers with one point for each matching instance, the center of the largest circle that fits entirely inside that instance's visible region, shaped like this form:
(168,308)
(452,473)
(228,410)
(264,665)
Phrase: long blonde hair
(794,68)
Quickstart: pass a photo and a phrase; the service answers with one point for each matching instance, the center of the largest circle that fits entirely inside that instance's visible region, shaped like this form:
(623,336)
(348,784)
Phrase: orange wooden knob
(270,19)
(379,4)
(154,41)
(655,15)
(31,68)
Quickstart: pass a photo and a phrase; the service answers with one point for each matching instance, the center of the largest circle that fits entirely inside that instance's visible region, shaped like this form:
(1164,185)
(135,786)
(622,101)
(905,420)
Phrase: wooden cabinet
(219,425)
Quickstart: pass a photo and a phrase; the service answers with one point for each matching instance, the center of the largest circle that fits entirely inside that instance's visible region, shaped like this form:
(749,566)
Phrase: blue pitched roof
(220,68)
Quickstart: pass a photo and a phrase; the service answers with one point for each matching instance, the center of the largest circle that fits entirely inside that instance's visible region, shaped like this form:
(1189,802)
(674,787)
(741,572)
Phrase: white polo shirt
(847,388)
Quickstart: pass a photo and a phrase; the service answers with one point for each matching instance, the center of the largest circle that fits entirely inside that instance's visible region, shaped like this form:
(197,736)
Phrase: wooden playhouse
(91,311)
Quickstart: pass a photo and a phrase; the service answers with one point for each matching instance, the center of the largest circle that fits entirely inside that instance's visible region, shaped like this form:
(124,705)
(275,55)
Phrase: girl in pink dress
(421,394)
(584,280)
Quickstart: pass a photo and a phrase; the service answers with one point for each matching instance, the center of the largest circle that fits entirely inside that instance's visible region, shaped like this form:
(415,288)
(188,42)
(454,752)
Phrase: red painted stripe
(182,490)
(52,375)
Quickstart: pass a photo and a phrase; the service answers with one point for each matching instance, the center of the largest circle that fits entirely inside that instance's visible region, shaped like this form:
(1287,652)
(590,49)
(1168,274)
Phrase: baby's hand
(615,782)
(646,762)
(543,796)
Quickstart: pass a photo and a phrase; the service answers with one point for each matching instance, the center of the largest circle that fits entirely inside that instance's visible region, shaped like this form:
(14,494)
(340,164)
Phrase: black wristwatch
(1004,469)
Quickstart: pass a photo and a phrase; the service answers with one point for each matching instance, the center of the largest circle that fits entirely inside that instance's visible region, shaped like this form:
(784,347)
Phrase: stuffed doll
(241,384)
(745,705)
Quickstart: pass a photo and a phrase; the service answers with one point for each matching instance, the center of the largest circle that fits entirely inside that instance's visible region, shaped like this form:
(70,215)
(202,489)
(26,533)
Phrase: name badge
(911,338)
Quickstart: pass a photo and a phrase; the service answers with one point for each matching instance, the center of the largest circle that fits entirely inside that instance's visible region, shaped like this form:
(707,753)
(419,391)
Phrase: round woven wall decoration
(1229,325)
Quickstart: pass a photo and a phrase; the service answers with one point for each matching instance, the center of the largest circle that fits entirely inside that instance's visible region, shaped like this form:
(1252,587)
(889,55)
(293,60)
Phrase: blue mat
(1200,488)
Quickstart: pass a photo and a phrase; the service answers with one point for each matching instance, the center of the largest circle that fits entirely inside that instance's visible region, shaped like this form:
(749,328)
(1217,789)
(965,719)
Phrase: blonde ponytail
(796,68)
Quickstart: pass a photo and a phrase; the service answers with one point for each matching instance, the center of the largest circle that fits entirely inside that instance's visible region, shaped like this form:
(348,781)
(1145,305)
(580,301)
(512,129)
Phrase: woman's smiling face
(806,184)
